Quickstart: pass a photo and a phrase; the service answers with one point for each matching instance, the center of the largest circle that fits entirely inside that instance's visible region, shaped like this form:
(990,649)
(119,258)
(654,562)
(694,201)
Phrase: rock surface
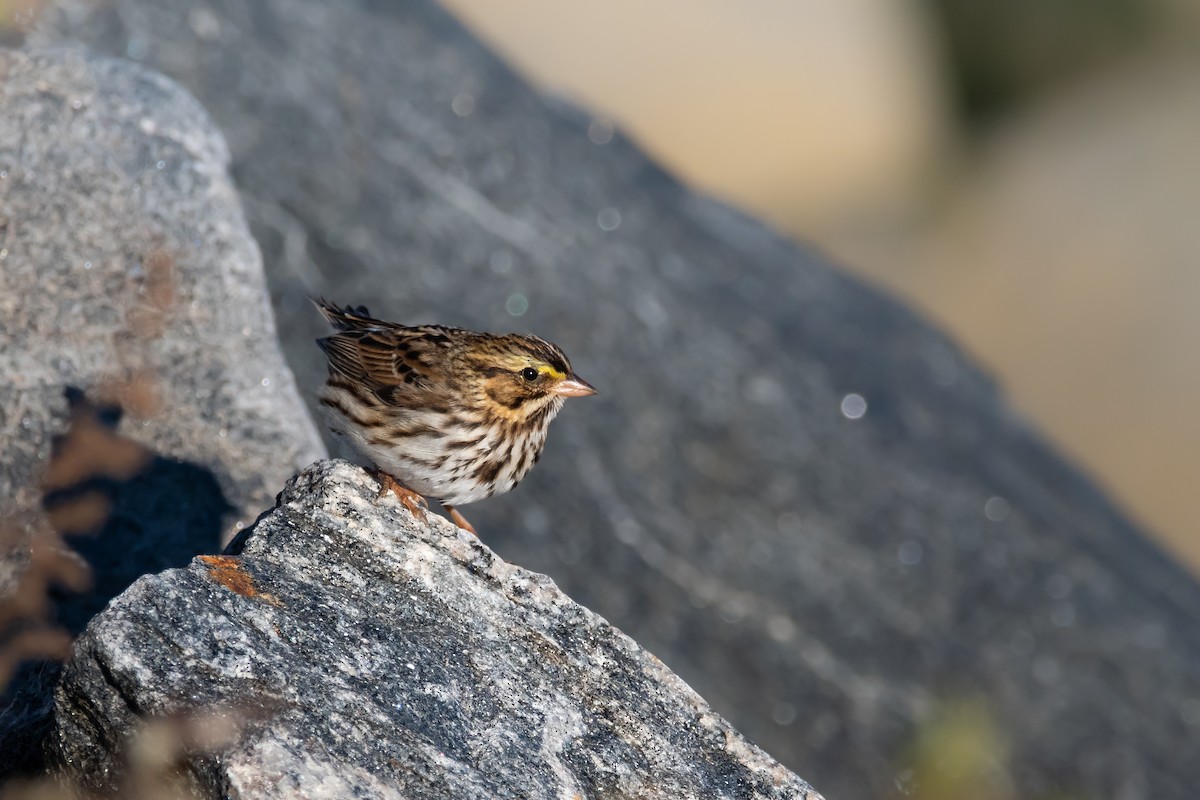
(394,659)
(795,492)
(127,269)
(126,259)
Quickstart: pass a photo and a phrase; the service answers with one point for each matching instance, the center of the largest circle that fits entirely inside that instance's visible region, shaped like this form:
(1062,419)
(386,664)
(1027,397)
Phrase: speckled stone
(108,173)
(124,255)
(384,657)
(824,571)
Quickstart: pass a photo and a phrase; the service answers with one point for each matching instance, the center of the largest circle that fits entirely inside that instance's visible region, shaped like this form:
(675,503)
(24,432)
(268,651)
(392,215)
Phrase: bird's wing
(402,366)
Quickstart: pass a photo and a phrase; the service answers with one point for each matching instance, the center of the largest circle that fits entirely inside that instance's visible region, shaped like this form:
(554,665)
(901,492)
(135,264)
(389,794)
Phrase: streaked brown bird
(442,412)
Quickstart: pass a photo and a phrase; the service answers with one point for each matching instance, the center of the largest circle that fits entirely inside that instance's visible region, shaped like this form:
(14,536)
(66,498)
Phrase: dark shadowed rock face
(823,577)
(127,268)
(379,656)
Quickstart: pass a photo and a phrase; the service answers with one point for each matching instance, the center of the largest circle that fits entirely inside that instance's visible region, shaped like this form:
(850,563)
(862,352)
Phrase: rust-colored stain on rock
(227,571)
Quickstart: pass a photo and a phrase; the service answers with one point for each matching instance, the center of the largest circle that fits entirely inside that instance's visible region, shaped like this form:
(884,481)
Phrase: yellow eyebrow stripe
(546,369)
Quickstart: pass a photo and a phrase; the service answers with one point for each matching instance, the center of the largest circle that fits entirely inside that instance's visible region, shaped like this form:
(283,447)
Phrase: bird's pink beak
(575,386)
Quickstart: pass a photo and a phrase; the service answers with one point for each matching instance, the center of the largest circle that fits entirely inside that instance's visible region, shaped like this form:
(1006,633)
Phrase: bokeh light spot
(854,406)
(501,262)
(517,304)
(783,713)
(463,104)
(609,219)
(996,509)
(600,131)
(911,553)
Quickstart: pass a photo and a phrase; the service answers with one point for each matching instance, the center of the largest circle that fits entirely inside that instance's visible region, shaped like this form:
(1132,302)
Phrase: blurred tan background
(1025,173)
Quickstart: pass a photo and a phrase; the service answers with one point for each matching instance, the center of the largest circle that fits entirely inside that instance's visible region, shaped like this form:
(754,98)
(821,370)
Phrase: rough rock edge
(101,697)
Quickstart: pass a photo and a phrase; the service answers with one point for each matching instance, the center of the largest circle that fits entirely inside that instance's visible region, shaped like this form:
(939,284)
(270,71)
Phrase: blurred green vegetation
(1003,53)
(960,753)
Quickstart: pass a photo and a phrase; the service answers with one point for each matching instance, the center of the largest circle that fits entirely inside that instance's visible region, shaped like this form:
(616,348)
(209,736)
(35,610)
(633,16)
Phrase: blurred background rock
(1027,173)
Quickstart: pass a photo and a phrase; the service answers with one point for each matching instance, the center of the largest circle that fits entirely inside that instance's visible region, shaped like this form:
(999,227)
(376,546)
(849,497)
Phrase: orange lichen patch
(227,571)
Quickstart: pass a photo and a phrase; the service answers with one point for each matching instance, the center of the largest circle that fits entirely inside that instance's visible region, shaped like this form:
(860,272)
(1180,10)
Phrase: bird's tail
(346,318)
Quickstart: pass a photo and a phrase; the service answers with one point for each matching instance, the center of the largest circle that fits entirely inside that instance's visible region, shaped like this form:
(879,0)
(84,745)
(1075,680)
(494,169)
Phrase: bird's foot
(458,519)
(414,502)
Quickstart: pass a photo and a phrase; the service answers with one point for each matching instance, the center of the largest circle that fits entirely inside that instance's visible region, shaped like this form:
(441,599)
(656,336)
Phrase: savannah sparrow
(442,412)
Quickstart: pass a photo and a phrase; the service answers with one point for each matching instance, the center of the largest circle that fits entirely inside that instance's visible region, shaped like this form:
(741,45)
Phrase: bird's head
(520,377)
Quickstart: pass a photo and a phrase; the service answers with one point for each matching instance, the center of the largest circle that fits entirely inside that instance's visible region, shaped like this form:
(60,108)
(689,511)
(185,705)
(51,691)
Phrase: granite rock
(126,256)
(127,271)
(383,656)
(803,498)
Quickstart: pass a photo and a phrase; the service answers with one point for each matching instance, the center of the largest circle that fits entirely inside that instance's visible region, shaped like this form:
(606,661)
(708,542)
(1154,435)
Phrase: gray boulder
(797,493)
(127,271)
(127,260)
(380,656)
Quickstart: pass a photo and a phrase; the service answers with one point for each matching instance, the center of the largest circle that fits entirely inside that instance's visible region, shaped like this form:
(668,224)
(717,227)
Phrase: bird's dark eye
(529,374)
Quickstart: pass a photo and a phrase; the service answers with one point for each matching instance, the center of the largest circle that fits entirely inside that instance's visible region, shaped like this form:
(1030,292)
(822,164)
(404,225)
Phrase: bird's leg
(459,519)
(414,502)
